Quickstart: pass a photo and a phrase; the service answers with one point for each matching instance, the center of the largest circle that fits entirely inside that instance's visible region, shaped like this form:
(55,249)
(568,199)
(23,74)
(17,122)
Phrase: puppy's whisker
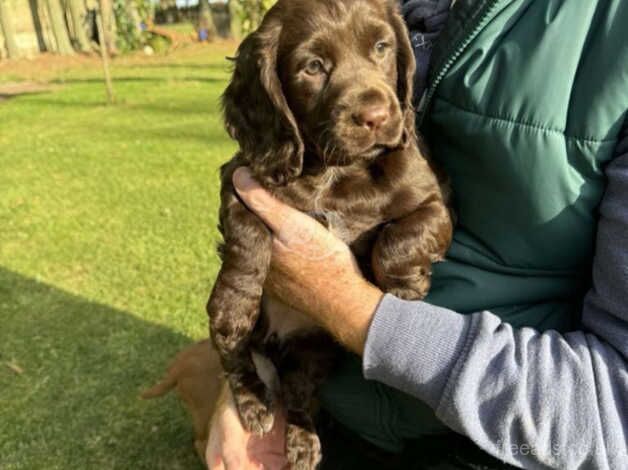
(328,145)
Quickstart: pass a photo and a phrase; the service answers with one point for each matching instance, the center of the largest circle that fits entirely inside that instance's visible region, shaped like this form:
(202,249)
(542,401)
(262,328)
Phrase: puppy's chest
(347,216)
(343,217)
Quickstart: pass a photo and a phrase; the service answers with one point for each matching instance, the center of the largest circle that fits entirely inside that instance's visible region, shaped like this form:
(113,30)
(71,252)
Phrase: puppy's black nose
(372,117)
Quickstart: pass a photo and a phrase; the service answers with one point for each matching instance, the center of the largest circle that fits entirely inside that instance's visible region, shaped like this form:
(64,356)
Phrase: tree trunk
(206,27)
(3,51)
(131,10)
(78,14)
(34,7)
(104,56)
(59,28)
(234,17)
(8,30)
(134,15)
(109,26)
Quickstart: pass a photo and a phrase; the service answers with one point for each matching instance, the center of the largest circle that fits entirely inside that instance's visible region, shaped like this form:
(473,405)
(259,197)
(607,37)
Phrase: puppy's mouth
(340,142)
(343,150)
(361,143)
(377,150)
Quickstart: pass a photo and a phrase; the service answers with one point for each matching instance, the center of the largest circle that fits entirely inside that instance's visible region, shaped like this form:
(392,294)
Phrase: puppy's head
(332,77)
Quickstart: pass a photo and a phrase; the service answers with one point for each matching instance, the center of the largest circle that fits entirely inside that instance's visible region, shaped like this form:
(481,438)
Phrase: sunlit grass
(107,234)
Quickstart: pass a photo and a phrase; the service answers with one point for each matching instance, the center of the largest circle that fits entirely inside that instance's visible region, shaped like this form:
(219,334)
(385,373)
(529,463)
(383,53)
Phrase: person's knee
(366,408)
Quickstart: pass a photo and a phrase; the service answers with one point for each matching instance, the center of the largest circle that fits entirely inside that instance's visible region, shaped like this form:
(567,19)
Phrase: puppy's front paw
(406,294)
(257,417)
(303,448)
(411,286)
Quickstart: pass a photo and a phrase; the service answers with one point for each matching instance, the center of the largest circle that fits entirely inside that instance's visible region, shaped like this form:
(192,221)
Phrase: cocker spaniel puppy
(320,104)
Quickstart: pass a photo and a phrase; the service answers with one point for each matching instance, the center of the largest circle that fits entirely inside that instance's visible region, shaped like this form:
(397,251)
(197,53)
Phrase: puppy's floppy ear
(256,111)
(406,66)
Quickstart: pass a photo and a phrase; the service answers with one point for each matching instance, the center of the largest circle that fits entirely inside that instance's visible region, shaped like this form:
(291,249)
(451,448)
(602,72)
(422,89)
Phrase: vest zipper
(487,11)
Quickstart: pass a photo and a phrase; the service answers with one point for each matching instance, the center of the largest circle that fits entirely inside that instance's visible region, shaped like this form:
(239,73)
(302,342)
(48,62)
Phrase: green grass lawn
(107,235)
(181,28)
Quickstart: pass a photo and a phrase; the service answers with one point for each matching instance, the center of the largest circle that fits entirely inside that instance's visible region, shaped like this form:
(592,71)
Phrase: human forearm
(531,399)
(413,346)
(343,304)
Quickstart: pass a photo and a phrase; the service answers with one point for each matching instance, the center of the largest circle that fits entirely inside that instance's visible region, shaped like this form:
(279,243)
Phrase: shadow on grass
(170,108)
(81,81)
(211,136)
(75,403)
(166,107)
(226,65)
(8,96)
(14,90)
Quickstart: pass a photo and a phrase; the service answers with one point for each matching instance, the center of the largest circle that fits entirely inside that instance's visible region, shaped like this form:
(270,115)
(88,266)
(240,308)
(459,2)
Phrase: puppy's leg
(303,447)
(406,248)
(251,396)
(234,304)
(253,399)
(306,362)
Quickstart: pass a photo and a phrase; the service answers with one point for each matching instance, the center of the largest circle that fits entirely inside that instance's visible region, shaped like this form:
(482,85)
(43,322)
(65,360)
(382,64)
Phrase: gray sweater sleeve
(535,400)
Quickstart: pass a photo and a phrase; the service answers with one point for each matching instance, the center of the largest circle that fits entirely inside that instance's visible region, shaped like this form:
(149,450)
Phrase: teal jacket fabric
(526,101)
(524,106)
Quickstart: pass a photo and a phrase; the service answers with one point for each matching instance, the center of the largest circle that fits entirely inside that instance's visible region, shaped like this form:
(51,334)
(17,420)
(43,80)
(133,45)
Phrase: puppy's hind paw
(409,293)
(303,448)
(414,286)
(256,416)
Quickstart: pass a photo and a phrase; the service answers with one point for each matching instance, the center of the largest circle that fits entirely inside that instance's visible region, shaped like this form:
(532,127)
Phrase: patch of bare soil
(47,67)
(11,90)
(44,67)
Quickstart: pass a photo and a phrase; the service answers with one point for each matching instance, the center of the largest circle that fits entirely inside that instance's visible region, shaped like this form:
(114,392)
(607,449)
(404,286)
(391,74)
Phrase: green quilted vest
(525,103)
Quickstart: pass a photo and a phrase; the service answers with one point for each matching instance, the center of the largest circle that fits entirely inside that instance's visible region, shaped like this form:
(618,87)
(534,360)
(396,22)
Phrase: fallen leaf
(15,368)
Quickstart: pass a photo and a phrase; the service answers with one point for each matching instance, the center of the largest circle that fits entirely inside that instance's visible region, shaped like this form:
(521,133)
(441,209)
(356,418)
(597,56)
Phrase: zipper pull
(422,101)
(420,110)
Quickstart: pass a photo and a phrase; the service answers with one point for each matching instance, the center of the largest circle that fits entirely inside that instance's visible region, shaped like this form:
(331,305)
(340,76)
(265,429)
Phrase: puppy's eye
(381,47)
(314,67)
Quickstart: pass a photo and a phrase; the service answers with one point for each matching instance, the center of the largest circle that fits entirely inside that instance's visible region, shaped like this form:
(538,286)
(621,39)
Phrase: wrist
(349,311)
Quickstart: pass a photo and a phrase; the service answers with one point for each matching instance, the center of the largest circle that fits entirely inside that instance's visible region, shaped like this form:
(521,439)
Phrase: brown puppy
(320,103)
(196,375)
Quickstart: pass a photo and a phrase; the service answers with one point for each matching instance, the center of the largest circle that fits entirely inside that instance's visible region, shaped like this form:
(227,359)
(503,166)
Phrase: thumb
(279,217)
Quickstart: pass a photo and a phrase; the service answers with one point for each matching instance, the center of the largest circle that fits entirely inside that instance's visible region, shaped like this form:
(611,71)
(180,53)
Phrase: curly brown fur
(320,105)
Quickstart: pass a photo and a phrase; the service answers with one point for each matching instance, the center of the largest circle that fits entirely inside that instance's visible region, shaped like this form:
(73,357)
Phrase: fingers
(282,219)
(226,447)
(230,447)
(293,230)
(269,209)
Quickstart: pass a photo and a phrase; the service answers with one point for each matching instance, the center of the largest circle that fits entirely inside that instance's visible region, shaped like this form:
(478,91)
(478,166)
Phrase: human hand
(230,447)
(312,270)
